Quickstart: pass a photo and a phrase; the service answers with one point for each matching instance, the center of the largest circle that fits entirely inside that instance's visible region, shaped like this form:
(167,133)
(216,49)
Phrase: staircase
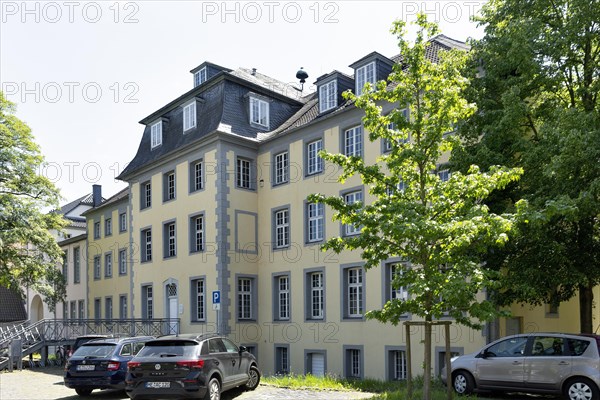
(51,332)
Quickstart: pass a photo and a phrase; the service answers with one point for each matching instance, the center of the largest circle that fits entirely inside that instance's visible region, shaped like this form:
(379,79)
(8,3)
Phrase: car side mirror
(243,349)
(487,354)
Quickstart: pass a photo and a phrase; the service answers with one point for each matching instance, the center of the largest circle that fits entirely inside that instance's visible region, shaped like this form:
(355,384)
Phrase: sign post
(216,304)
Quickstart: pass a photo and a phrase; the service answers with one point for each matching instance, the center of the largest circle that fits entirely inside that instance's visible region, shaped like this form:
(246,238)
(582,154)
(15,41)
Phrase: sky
(83,73)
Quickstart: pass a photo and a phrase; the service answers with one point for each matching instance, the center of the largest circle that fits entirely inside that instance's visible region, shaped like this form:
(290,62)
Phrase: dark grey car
(550,363)
(190,366)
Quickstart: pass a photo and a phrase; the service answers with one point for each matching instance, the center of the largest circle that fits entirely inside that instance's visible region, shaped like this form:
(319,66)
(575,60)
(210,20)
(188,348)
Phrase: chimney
(253,71)
(96,195)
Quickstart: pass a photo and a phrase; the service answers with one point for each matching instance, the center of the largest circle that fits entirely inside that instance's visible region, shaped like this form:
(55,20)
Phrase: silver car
(550,363)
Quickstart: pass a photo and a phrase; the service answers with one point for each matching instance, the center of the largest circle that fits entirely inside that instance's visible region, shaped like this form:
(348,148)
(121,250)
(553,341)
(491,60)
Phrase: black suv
(101,363)
(190,366)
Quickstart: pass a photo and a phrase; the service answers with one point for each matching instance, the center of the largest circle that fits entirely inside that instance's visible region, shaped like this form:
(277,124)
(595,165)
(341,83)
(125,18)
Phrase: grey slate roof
(12,308)
(120,195)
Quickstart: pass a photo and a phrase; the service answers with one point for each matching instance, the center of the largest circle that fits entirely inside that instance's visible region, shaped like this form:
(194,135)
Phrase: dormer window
(156,134)
(189,116)
(259,112)
(199,77)
(328,96)
(363,75)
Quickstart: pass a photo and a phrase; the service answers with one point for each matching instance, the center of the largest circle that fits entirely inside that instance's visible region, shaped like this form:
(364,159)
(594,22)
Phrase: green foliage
(538,103)
(440,227)
(29,253)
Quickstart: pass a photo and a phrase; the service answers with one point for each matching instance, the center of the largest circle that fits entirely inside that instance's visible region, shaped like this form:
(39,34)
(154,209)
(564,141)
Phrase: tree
(440,227)
(29,253)
(538,109)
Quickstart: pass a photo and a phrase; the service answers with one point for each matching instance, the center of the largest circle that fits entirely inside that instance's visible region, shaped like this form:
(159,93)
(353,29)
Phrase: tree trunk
(586,297)
(427,363)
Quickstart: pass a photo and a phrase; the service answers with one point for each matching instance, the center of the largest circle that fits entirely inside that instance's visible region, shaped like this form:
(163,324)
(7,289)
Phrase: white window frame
(316,221)
(155,135)
(108,265)
(97,230)
(282,168)
(244,298)
(317,295)
(197,183)
(122,222)
(149,301)
(365,74)
(351,198)
(314,162)
(283,297)
(123,262)
(189,116)
(282,228)
(123,306)
(97,267)
(198,232)
(353,145)
(199,297)
(354,355)
(444,174)
(200,77)
(328,96)
(107,226)
(355,277)
(76,265)
(259,112)
(399,365)
(147,245)
(108,307)
(170,183)
(243,173)
(147,193)
(171,240)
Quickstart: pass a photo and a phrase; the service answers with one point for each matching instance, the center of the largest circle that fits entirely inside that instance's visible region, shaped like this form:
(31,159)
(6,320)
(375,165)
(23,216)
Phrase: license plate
(158,385)
(82,367)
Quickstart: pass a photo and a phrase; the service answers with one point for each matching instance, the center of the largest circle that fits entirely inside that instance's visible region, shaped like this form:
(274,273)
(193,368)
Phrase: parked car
(190,366)
(102,363)
(548,363)
(83,339)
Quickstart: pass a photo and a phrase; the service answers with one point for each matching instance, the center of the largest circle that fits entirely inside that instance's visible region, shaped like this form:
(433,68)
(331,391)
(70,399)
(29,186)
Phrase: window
(146,245)
(107,226)
(156,135)
(147,302)
(353,363)
(282,301)
(314,163)
(76,265)
(354,292)
(170,246)
(444,175)
(259,112)
(513,347)
(327,96)
(351,198)
(387,144)
(281,168)
(97,267)
(123,306)
(97,230)
(122,222)
(363,75)
(73,309)
(81,308)
(108,311)
(198,300)
(394,271)
(169,186)
(145,195)
(196,182)
(282,360)
(199,77)
(189,116)
(245,298)
(316,295)
(97,309)
(282,228)
(243,173)
(397,360)
(123,262)
(544,346)
(353,142)
(108,265)
(65,266)
(196,233)
(65,311)
(315,214)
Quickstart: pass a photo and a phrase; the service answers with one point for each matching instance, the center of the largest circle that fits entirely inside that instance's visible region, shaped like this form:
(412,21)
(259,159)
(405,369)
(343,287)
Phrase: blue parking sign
(216,296)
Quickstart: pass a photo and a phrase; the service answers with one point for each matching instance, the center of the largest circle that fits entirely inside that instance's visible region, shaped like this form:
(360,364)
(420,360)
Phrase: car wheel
(84,392)
(581,389)
(253,378)
(463,382)
(213,391)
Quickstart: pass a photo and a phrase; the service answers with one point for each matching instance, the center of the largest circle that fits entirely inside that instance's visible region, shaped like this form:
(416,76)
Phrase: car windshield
(97,350)
(164,349)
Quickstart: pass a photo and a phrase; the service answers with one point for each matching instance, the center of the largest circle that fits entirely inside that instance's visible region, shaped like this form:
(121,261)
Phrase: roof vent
(253,71)
(302,75)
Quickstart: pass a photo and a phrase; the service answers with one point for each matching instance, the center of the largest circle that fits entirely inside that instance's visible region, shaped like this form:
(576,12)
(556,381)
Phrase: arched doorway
(36,310)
